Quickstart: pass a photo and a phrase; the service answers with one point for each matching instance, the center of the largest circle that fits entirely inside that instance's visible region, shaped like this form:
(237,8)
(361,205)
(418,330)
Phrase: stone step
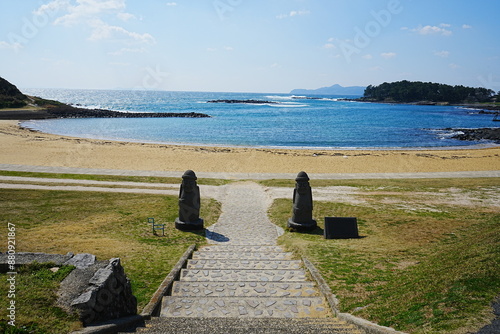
(238,275)
(258,307)
(244,289)
(242,248)
(242,256)
(248,326)
(244,264)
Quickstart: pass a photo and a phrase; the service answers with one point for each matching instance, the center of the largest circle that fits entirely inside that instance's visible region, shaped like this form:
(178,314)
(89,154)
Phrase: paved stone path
(243,281)
(248,176)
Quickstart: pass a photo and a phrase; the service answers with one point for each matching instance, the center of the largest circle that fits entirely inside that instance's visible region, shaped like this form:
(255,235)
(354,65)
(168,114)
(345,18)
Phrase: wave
(301,97)
(444,134)
(279,97)
(288,105)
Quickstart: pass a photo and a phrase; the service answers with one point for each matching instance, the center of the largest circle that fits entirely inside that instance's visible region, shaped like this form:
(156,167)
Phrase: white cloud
(228,48)
(127,50)
(454,66)
(329,46)
(102,30)
(299,12)
(388,55)
(10,46)
(211,49)
(443,54)
(445,25)
(466,26)
(89,12)
(52,7)
(433,30)
(125,16)
(293,13)
(376,68)
(367,57)
(171,4)
(89,9)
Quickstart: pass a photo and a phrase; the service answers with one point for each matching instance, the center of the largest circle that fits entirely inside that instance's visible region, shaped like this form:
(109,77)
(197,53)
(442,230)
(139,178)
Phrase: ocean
(292,122)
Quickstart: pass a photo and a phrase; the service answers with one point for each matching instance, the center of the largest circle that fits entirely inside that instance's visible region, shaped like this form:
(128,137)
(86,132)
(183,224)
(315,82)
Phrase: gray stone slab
(246,307)
(248,326)
(244,264)
(231,275)
(242,256)
(244,289)
(241,248)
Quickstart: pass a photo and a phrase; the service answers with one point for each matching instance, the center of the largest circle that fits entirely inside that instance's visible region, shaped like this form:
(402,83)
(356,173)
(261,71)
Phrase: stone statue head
(302,183)
(189,181)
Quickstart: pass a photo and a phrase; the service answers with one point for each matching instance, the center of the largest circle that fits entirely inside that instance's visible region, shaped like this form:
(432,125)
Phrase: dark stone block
(341,228)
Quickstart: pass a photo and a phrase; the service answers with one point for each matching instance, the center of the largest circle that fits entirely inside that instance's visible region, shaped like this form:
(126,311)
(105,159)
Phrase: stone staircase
(245,289)
(248,282)
(243,282)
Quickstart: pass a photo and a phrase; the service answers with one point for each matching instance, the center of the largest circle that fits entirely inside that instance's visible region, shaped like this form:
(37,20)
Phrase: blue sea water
(292,122)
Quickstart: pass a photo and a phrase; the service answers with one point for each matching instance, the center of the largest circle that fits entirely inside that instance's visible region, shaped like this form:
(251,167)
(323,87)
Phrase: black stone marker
(189,204)
(341,228)
(302,205)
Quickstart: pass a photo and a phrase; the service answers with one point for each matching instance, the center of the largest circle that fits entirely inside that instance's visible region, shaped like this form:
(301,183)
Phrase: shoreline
(20,146)
(477,146)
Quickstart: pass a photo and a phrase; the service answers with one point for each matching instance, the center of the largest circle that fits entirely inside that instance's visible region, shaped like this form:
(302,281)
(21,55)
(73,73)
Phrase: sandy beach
(25,147)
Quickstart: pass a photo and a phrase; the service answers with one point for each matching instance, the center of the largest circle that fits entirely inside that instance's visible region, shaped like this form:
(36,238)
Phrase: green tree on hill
(10,96)
(407,91)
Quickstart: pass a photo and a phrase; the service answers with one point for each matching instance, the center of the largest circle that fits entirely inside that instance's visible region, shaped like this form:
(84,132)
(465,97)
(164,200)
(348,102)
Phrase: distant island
(427,93)
(332,90)
(14,105)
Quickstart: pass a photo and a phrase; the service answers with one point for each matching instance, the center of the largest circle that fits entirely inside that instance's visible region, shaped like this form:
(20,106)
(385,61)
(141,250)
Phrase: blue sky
(269,46)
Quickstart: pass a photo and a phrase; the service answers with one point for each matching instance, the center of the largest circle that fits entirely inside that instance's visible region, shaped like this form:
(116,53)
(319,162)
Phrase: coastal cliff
(14,105)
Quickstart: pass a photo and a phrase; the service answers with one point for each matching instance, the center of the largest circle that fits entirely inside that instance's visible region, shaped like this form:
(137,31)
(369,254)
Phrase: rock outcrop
(108,295)
(97,290)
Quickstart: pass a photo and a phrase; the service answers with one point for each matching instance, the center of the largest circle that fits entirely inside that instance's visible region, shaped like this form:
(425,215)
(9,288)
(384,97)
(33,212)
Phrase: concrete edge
(250,176)
(152,308)
(113,326)
(367,326)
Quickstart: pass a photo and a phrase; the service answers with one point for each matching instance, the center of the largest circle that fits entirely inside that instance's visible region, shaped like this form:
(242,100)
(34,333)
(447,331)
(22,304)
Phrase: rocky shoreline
(67,111)
(492,134)
(73,112)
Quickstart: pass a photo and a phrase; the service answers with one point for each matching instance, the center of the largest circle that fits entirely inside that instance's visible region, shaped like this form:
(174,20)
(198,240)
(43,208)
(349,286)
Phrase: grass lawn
(114,178)
(104,224)
(427,262)
(428,259)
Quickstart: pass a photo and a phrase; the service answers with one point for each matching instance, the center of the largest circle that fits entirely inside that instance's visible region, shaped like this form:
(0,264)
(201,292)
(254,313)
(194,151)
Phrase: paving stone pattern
(243,281)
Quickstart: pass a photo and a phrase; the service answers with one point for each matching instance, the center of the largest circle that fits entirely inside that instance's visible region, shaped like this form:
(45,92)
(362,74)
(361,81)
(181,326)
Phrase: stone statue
(302,205)
(189,204)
